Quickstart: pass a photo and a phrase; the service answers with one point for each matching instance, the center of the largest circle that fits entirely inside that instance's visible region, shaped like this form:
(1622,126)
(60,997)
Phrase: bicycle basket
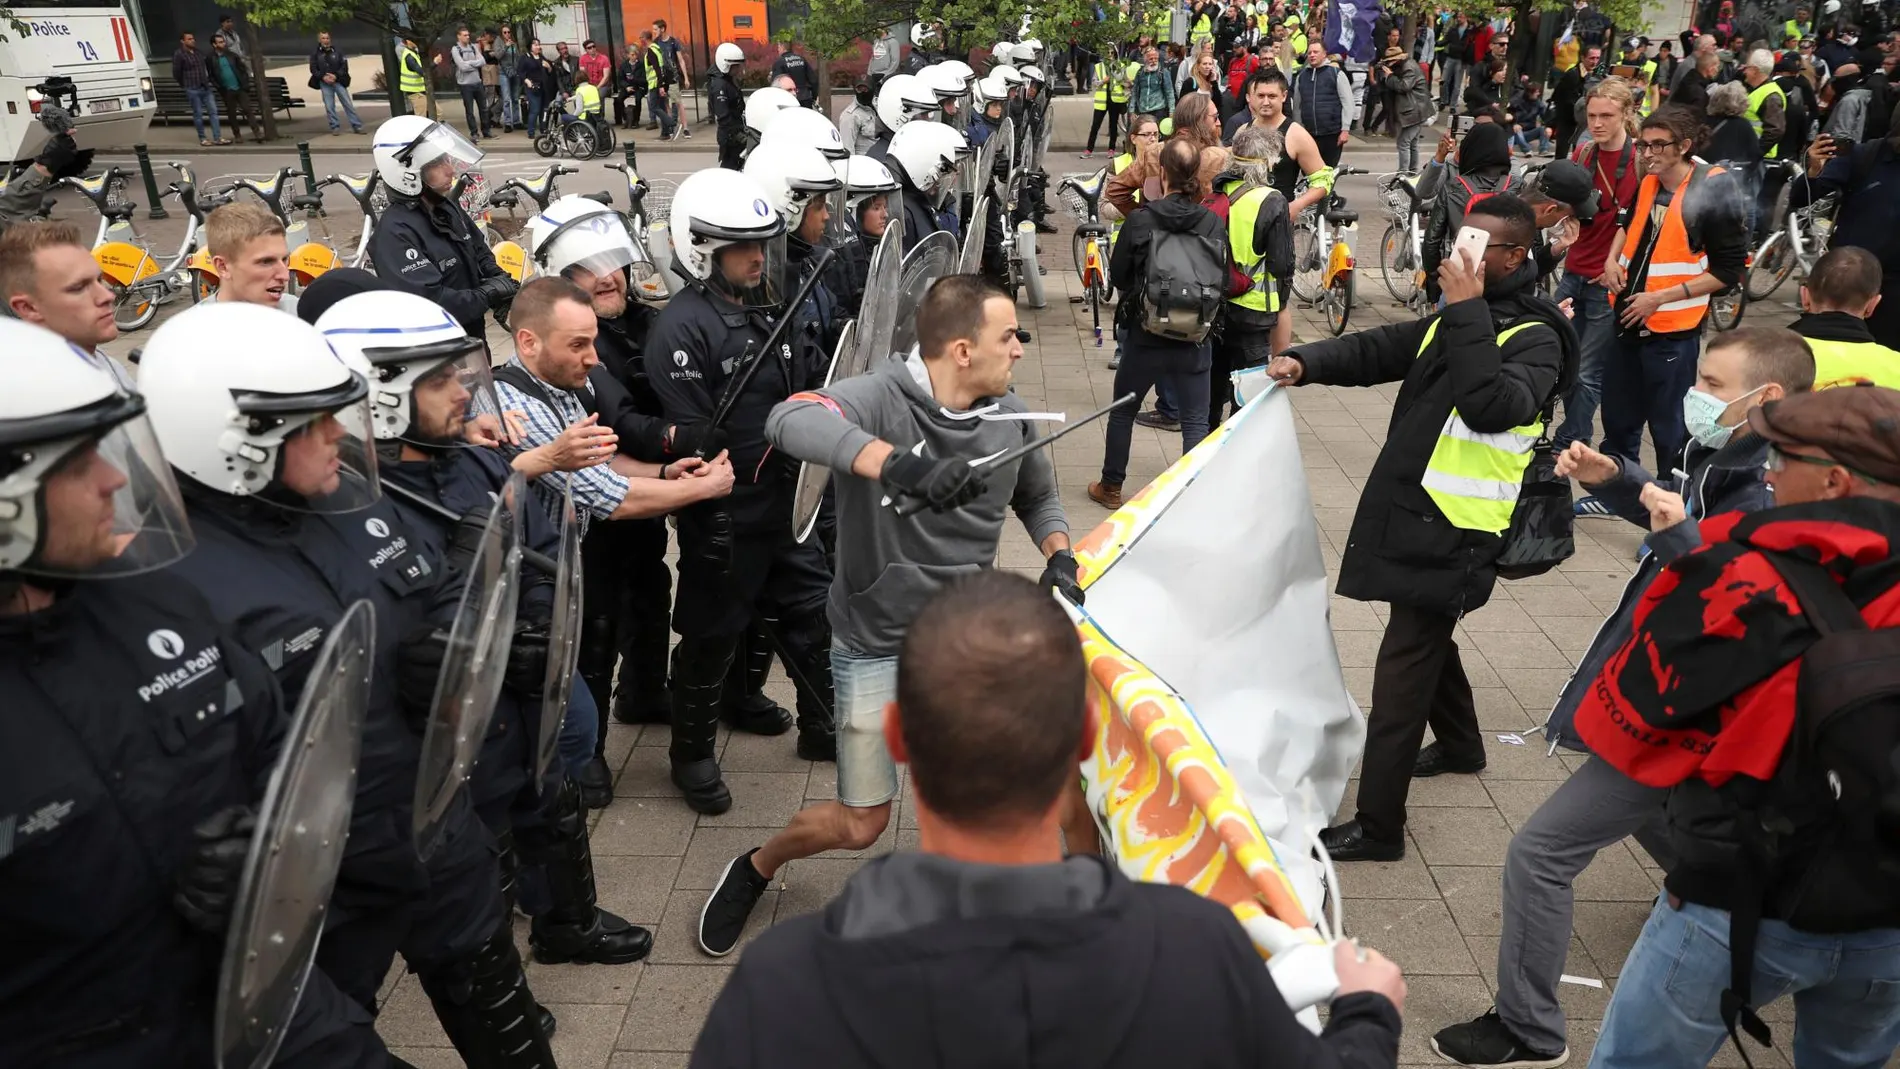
(659,201)
(1397,201)
(474,199)
(115,195)
(1073,202)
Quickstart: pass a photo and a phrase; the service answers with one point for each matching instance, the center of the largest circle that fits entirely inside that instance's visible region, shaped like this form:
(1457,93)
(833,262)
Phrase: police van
(92,44)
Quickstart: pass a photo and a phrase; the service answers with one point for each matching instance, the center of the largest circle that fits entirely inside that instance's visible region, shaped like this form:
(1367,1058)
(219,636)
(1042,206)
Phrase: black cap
(1788,64)
(1570,183)
(332,286)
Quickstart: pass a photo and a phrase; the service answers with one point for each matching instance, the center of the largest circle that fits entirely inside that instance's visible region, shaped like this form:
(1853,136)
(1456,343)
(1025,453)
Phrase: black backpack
(1186,282)
(1825,835)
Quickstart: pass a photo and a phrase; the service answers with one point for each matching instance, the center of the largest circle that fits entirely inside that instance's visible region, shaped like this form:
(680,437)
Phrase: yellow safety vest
(1160,21)
(1474,478)
(1107,89)
(408,80)
(586,99)
(1242,216)
(1842,363)
(1298,41)
(1203,30)
(1756,97)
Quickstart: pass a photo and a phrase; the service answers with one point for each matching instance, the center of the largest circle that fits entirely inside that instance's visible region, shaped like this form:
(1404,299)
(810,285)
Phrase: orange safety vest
(1672,262)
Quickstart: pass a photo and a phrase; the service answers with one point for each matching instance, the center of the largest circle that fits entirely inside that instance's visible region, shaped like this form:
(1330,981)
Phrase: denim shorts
(862,686)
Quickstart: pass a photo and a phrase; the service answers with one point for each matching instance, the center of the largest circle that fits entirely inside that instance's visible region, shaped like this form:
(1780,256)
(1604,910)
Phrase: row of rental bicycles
(328,223)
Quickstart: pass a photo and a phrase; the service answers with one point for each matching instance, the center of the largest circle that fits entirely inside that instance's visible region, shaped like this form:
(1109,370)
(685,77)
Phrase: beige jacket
(1123,187)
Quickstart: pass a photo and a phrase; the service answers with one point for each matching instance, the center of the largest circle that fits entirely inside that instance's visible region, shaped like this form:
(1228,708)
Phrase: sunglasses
(1655,146)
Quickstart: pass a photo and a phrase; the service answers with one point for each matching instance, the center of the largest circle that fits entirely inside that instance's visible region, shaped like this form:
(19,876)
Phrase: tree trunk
(260,86)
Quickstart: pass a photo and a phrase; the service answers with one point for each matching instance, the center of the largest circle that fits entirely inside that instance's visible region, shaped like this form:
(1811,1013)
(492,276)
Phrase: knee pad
(703,661)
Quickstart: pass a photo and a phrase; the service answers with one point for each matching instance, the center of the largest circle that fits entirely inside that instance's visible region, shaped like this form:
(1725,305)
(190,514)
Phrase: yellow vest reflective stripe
(1107,89)
(1474,478)
(1840,363)
(586,99)
(1242,217)
(1756,97)
(409,81)
(1203,27)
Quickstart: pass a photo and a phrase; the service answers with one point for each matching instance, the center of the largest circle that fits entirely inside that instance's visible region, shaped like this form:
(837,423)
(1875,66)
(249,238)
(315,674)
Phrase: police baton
(736,385)
(539,561)
(910,506)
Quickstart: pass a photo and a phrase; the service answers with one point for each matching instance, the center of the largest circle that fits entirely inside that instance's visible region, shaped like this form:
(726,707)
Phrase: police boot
(596,662)
(699,687)
(510,861)
(486,1009)
(575,928)
(808,645)
(747,708)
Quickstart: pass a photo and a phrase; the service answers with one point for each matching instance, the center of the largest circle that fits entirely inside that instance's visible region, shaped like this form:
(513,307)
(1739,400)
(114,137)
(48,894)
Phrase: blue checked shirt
(598,490)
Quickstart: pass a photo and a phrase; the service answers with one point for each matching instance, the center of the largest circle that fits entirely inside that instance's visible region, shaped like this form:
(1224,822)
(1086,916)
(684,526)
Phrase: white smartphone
(1471,242)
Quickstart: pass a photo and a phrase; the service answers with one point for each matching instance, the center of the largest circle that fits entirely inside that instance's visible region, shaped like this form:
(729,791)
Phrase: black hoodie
(1128,267)
(927,962)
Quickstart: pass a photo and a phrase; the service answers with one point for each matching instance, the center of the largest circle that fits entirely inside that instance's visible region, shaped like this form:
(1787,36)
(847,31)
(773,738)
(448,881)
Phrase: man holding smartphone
(1868,218)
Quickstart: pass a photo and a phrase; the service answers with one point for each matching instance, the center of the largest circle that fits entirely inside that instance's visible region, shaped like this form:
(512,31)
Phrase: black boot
(575,928)
(548,1023)
(807,641)
(596,782)
(699,687)
(643,706)
(486,1009)
(747,708)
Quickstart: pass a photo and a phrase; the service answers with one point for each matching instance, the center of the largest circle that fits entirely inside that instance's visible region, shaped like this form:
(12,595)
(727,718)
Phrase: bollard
(632,164)
(151,183)
(309,173)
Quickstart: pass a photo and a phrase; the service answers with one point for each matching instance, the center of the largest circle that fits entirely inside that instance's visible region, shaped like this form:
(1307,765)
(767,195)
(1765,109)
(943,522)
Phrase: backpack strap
(517,376)
(1823,602)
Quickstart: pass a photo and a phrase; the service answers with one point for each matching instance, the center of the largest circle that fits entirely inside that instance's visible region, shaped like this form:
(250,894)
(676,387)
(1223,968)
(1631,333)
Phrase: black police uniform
(737,556)
(130,717)
(794,66)
(282,579)
(920,215)
(541,824)
(728,111)
(430,247)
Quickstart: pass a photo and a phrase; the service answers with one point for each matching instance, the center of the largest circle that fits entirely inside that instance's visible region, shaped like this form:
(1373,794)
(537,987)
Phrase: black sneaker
(1488,1042)
(723,918)
(1433,760)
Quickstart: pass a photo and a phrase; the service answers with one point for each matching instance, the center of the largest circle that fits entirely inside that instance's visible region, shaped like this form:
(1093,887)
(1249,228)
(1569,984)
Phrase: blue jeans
(1596,329)
(334,94)
(509,91)
(862,686)
(1139,373)
(532,120)
(1644,380)
(1523,143)
(580,729)
(1666,1012)
(202,104)
(1164,400)
(660,107)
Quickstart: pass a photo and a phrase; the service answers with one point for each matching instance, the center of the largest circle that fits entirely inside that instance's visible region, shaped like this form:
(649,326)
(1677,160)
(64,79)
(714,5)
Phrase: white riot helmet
(943,81)
(1034,46)
(250,402)
(578,233)
(792,176)
(991,88)
(760,107)
(807,128)
(1010,76)
(903,98)
(865,178)
(407,145)
(715,208)
(921,35)
(64,417)
(928,153)
(727,56)
(999,53)
(1033,75)
(962,70)
(1021,55)
(406,346)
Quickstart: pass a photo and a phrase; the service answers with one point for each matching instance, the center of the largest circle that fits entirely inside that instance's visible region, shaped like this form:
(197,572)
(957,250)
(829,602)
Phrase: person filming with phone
(1865,176)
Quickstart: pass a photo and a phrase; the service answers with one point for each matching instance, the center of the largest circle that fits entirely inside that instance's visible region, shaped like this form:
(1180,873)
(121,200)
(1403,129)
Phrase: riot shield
(295,851)
(929,260)
(877,315)
(1008,152)
(564,641)
(984,171)
(809,494)
(472,667)
(970,260)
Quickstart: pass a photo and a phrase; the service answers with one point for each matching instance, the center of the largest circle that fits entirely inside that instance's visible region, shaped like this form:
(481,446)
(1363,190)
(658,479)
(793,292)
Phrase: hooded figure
(1483,167)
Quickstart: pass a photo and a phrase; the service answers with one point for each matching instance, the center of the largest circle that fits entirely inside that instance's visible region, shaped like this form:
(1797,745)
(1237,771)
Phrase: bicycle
(362,189)
(1082,194)
(1402,248)
(140,283)
(1798,241)
(563,132)
(649,206)
(1322,255)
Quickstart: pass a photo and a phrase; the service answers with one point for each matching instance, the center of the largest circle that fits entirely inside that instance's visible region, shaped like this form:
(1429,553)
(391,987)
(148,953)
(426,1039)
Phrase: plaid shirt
(188,69)
(598,490)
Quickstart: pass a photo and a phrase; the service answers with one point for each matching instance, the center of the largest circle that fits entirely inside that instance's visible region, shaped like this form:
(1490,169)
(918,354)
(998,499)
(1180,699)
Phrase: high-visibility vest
(1473,477)
(1843,363)
(1203,30)
(1756,98)
(1160,21)
(586,99)
(1793,29)
(1242,217)
(1672,262)
(1297,39)
(409,78)
(1107,89)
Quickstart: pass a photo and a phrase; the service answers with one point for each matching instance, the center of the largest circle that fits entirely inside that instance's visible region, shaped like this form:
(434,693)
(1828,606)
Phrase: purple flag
(1349,25)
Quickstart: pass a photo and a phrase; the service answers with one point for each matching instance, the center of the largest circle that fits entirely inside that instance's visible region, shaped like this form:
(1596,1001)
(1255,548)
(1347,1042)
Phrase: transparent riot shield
(472,667)
(928,260)
(809,494)
(983,171)
(1007,151)
(564,641)
(877,315)
(295,851)
(970,259)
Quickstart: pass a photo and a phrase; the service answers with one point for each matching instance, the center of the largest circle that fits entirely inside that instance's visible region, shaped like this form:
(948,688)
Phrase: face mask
(1702,413)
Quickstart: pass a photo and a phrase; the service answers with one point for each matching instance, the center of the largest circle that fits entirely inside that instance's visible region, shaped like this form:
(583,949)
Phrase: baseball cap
(1859,426)
(1569,182)
(1787,65)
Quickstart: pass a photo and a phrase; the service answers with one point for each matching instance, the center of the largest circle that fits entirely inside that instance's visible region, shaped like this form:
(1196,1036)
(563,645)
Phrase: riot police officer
(256,411)
(137,740)
(727,103)
(903,98)
(424,242)
(870,196)
(738,559)
(923,155)
(761,107)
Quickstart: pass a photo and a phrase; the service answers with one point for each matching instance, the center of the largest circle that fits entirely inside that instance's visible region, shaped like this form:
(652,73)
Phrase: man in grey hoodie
(915,429)
(468,78)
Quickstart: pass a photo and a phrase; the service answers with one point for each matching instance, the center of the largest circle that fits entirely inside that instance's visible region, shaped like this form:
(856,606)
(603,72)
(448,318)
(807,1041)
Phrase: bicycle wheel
(1725,309)
(1338,302)
(546,144)
(1395,262)
(1772,266)
(1078,250)
(581,143)
(1309,262)
(132,308)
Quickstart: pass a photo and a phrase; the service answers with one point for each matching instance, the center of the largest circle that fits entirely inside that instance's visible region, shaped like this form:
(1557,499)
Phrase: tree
(833,26)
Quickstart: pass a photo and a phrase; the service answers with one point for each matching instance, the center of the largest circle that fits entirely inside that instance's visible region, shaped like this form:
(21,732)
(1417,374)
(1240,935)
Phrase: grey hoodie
(889,567)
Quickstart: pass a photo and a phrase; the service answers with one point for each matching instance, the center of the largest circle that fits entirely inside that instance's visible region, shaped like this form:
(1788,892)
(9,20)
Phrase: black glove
(419,659)
(498,290)
(527,670)
(695,440)
(944,484)
(465,541)
(209,880)
(62,158)
(1060,576)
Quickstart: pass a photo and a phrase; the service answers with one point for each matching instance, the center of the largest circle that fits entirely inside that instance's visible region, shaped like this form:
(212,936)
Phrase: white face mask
(1702,414)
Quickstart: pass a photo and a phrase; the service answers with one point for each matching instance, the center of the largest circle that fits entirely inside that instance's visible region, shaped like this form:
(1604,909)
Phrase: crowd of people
(190,540)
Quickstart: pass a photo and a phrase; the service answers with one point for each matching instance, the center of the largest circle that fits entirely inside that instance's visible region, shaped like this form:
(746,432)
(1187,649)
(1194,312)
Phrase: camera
(59,101)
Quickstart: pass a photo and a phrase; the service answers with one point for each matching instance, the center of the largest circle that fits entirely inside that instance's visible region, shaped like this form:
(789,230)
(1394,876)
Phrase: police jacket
(281,580)
(622,392)
(432,248)
(794,66)
(824,307)
(700,342)
(1401,547)
(131,715)
(727,103)
(920,218)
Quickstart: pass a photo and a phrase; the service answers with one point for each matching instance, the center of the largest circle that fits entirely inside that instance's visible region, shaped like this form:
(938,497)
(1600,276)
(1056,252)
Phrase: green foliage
(429,20)
(833,26)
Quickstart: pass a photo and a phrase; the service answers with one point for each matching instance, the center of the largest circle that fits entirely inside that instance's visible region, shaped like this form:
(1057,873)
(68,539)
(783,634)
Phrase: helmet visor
(450,399)
(751,273)
(441,156)
(91,506)
(597,243)
(325,449)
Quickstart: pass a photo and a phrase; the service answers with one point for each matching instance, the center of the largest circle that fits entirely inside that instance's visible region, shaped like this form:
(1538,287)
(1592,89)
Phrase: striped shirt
(188,69)
(598,490)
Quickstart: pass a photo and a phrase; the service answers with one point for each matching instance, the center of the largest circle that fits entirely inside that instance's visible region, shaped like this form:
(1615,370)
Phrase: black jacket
(623,395)
(727,104)
(431,247)
(1401,548)
(923,961)
(802,75)
(329,61)
(1128,270)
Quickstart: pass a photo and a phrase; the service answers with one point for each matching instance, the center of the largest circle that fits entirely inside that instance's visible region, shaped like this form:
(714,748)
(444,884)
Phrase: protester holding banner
(1427,533)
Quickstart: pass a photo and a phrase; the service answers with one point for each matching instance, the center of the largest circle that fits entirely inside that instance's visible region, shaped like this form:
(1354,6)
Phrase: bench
(173,107)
